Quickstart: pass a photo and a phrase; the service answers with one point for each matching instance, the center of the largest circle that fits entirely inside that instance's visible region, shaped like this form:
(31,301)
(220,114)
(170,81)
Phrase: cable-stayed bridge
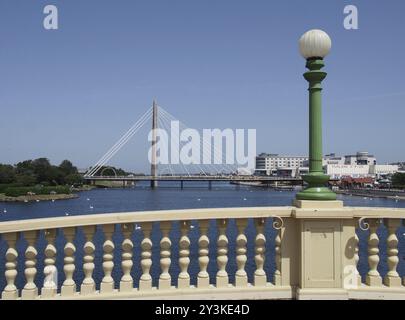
(162,121)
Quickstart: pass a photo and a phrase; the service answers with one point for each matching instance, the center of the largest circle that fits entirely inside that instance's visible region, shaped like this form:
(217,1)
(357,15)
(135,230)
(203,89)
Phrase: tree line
(40,172)
(398,180)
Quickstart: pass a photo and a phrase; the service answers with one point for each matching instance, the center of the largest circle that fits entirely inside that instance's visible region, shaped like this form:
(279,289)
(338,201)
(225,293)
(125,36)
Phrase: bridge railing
(304,251)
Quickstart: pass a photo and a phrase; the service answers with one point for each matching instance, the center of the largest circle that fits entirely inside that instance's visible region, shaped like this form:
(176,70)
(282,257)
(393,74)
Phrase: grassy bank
(17,193)
(14,191)
(39,197)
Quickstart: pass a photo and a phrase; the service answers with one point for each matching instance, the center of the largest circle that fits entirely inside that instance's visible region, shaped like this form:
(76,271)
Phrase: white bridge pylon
(164,122)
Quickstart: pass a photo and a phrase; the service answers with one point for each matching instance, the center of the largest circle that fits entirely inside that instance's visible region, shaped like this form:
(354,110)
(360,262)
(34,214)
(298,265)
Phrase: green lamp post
(314,46)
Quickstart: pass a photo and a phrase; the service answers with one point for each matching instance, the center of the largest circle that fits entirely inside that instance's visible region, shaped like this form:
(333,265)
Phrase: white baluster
(69,285)
(373,277)
(107,284)
(203,278)
(356,260)
(145,283)
(50,288)
(165,252)
(222,279)
(10,292)
(184,256)
(88,285)
(127,283)
(392,279)
(30,290)
(278,225)
(241,279)
(260,278)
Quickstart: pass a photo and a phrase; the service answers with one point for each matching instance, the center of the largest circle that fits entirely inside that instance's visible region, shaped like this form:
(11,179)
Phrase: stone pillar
(326,250)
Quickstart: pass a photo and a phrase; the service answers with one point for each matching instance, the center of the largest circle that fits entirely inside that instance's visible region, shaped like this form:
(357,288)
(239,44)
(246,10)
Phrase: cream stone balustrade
(312,248)
(127,281)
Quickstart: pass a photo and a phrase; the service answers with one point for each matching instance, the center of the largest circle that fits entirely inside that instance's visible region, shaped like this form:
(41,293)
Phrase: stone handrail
(314,247)
(142,216)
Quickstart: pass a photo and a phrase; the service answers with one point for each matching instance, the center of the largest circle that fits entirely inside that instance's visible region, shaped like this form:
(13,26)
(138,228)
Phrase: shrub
(398,180)
(5,186)
(22,191)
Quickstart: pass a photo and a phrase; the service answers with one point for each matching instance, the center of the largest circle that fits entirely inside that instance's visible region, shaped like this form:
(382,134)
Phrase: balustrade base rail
(269,292)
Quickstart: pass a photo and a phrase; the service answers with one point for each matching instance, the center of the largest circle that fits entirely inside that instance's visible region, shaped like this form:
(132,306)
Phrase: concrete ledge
(322,294)
(268,292)
(322,213)
(308,204)
(377,293)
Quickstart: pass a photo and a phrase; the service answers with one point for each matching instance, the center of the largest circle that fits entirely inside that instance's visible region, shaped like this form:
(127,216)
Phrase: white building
(360,165)
(337,171)
(273,164)
(379,170)
(333,159)
(361,158)
(359,171)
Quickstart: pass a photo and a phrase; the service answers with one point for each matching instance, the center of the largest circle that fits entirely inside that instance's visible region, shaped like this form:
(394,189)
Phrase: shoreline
(40,197)
(362,193)
(46,197)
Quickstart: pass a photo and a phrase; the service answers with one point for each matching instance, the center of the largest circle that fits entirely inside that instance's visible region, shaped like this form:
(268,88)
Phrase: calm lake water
(170,196)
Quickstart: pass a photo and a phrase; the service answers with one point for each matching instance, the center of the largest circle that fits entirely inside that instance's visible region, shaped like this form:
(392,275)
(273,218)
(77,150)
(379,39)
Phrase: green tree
(25,167)
(7,173)
(398,180)
(67,168)
(43,170)
(25,180)
(74,179)
(110,171)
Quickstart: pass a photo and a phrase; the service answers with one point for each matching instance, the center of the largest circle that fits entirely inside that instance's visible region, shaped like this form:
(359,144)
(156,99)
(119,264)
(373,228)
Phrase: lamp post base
(316,189)
(317,194)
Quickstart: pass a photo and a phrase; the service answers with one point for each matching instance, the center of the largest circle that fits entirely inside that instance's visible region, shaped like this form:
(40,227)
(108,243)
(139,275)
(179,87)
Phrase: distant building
(381,170)
(360,165)
(337,171)
(360,158)
(275,164)
(401,165)
(349,182)
(333,159)
(377,171)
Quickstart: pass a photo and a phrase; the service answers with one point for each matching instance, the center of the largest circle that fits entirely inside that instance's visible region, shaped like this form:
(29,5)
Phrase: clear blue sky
(71,93)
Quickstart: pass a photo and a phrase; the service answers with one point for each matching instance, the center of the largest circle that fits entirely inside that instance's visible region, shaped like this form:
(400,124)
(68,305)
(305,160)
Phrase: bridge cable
(217,152)
(165,128)
(204,142)
(176,136)
(119,144)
